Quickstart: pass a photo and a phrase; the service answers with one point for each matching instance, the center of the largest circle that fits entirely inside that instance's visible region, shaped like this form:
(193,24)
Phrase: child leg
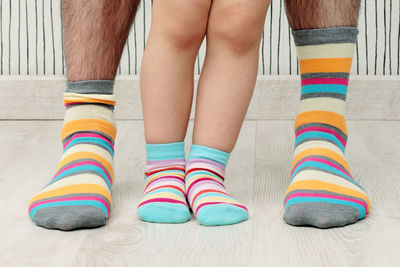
(177,31)
(225,89)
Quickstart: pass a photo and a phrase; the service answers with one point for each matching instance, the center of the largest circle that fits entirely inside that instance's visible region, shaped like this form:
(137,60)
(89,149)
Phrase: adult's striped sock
(164,198)
(79,194)
(206,193)
(322,191)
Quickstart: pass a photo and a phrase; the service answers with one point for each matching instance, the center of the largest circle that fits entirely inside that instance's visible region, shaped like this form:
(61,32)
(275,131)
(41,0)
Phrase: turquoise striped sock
(164,194)
(210,202)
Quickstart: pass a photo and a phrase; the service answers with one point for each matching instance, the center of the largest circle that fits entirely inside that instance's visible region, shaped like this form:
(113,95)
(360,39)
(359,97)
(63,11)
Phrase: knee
(237,29)
(186,31)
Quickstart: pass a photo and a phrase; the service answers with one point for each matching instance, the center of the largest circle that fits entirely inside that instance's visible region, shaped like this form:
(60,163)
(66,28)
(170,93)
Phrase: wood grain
(275,98)
(257,175)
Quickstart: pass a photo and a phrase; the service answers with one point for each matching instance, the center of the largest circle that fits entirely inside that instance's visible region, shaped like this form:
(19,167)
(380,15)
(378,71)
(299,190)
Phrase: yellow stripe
(86,155)
(321,152)
(345,50)
(163,195)
(319,185)
(88,125)
(318,65)
(326,117)
(73,189)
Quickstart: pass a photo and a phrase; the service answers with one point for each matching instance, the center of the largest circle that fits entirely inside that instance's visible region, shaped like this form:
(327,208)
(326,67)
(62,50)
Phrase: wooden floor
(257,175)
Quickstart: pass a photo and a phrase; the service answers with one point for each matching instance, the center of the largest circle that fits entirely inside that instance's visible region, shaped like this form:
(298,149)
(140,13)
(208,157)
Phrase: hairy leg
(315,14)
(95,32)
(229,72)
(322,191)
(79,194)
(177,31)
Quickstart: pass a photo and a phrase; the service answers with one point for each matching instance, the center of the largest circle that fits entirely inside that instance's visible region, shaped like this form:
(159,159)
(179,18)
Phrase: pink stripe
(89,162)
(191,164)
(88,135)
(362,203)
(202,186)
(321,161)
(71,199)
(340,81)
(164,200)
(165,178)
(200,180)
(212,203)
(322,129)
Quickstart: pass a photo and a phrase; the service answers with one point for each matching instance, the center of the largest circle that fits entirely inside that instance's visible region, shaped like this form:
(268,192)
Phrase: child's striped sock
(210,202)
(79,195)
(322,192)
(164,198)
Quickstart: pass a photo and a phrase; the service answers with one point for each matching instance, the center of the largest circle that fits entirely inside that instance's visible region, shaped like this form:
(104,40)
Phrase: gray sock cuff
(91,87)
(334,35)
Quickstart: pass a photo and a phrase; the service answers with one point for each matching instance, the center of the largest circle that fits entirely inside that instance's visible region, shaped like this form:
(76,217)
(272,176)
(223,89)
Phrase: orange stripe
(325,65)
(319,116)
(89,100)
(86,155)
(320,185)
(321,152)
(88,125)
(73,189)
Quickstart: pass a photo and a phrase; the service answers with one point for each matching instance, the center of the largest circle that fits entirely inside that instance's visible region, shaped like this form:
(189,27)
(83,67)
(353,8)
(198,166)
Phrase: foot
(208,198)
(164,194)
(79,195)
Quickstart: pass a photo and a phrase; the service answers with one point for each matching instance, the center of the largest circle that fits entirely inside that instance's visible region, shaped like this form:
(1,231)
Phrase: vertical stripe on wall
(31,40)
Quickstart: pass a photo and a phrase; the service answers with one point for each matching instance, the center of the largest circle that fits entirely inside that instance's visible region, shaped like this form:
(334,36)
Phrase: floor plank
(257,175)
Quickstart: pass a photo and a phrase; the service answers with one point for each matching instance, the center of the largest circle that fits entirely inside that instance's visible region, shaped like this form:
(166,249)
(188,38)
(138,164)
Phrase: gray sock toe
(70,217)
(321,215)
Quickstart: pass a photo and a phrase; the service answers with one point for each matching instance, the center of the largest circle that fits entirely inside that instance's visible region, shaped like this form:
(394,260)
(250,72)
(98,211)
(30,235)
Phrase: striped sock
(322,192)
(79,195)
(164,198)
(210,202)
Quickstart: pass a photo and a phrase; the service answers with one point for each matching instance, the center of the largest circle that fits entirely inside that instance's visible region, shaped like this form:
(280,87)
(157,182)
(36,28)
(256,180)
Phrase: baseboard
(275,98)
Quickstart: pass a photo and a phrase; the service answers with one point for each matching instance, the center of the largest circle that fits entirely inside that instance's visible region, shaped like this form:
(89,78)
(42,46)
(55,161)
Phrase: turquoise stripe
(203,152)
(190,175)
(318,134)
(165,151)
(324,88)
(169,190)
(212,194)
(82,168)
(326,200)
(91,140)
(70,203)
(323,167)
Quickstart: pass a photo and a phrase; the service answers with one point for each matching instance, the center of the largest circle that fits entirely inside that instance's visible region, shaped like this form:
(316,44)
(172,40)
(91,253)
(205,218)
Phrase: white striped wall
(31,40)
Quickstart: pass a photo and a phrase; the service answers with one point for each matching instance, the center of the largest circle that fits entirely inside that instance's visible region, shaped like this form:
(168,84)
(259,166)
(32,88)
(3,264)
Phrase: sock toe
(70,217)
(321,215)
(221,214)
(164,213)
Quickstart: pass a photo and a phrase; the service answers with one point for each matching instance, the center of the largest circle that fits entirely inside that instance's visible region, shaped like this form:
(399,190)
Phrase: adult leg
(177,31)
(224,92)
(79,195)
(322,192)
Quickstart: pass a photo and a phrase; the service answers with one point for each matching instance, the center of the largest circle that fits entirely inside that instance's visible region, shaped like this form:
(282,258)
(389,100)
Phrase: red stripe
(166,186)
(340,81)
(148,173)
(165,200)
(207,170)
